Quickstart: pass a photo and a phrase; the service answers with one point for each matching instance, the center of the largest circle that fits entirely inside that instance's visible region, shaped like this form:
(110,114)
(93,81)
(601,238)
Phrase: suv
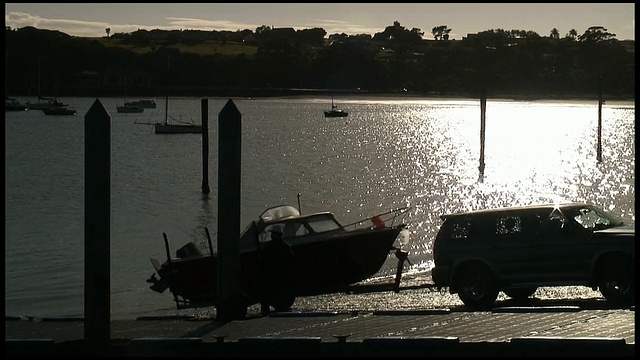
(477,254)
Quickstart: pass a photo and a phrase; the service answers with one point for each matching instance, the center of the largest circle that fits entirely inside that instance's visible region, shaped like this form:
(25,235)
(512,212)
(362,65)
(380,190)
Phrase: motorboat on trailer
(328,256)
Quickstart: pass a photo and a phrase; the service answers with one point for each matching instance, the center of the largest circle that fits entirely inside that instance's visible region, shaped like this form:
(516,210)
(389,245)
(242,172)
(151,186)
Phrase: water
(387,153)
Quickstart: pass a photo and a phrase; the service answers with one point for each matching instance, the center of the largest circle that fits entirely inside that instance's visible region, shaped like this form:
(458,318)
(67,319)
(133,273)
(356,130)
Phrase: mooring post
(483,109)
(229,306)
(204,105)
(97,227)
(599,146)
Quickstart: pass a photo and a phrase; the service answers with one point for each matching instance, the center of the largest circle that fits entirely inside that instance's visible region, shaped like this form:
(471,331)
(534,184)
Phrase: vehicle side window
(508,225)
(459,229)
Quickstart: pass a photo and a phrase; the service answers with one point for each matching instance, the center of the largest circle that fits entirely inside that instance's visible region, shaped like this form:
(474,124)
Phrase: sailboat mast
(6,73)
(39,73)
(166,100)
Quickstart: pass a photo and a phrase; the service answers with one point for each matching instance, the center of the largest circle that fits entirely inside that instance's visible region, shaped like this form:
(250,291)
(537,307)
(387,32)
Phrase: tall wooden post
(204,106)
(97,227)
(229,305)
(483,109)
(599,146)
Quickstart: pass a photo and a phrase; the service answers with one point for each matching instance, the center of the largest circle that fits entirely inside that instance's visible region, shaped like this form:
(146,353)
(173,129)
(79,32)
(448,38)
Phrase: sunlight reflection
(534,153)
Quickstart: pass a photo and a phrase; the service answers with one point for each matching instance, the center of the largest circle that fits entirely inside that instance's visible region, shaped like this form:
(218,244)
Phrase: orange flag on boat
(378,223)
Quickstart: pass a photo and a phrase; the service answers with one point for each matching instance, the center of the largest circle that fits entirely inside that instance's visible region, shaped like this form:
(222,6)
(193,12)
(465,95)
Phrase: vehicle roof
(525,208)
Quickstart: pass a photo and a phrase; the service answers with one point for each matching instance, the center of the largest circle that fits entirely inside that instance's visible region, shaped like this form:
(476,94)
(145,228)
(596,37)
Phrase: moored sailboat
(174,127)
(44,102)
(128,107)
(335,112)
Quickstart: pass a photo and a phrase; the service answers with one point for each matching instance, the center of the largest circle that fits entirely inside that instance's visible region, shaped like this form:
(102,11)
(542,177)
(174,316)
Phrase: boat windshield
(323,224)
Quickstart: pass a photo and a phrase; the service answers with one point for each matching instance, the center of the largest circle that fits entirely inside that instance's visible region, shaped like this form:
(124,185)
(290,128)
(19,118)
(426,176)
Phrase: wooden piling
(599,146)
(229,304)
(97,227)
(204,106)
(483,109)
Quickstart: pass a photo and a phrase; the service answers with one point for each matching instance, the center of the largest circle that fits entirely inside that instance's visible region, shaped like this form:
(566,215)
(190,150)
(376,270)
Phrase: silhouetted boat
(327,257)
(172,127)
(59,111)
(130,107)
(14,105)
(43,102)
(335,112)
(144,103)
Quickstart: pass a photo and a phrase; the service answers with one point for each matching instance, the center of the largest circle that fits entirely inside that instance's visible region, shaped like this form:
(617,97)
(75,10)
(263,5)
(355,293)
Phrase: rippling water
(387,153)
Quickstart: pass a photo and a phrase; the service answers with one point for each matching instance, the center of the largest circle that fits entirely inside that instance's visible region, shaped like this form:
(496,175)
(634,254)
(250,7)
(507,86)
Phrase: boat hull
(335,113)
(14,106)
(127,109)
(177,129)
(318,267)
(145,104)
(59,111)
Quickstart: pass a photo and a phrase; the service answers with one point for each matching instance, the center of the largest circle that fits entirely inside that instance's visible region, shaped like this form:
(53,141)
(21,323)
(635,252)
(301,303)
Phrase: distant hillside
(273,62)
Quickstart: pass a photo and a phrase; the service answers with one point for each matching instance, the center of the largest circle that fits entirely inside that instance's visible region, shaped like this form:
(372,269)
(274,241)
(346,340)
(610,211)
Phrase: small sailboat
(128,107)
(335,112)
(174,127)
(44,102)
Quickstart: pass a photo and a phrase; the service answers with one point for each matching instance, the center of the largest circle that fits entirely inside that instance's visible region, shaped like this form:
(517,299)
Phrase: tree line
(510,63)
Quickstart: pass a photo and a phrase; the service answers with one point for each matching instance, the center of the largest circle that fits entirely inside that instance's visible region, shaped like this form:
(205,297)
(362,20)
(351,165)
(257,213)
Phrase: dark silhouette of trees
(441,32)
(398,34)
(596,34)
(505,62)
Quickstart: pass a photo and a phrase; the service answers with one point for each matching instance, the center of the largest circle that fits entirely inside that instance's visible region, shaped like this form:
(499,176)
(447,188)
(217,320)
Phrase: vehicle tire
(616,281)
(283,303)
(520,294)
(477,287)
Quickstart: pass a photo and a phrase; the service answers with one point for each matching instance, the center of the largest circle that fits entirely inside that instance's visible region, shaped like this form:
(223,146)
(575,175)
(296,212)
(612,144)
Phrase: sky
(91,20)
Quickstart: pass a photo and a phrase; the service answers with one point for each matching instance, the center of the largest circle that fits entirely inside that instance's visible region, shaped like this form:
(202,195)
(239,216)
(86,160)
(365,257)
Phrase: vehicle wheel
(616,281)
(520,294)
(477,287)
(283,303)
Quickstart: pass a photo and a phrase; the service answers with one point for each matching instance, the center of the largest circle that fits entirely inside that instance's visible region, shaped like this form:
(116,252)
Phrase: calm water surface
(387,153)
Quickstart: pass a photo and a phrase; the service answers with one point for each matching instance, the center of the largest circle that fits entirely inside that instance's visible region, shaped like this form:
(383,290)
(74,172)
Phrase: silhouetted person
(276,261)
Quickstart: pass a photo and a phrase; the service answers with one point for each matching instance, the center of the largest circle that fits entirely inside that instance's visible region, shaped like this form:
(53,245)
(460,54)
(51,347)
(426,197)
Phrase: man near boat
(276,264)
